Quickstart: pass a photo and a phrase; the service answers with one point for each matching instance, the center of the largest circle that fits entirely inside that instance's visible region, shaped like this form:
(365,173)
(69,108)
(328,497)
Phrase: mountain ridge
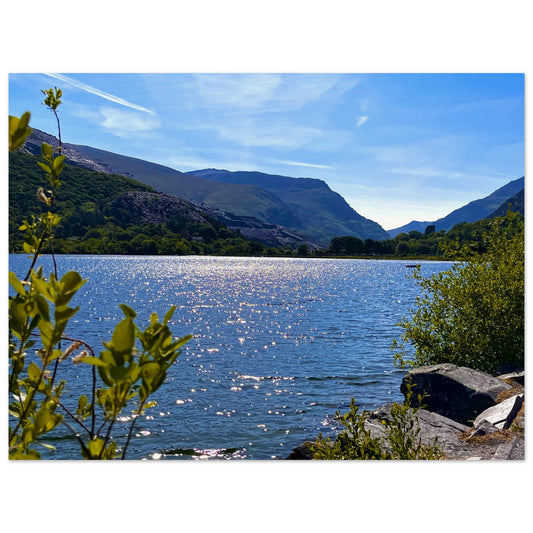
(470,212)
(304,208)
(313,211)
(314,203)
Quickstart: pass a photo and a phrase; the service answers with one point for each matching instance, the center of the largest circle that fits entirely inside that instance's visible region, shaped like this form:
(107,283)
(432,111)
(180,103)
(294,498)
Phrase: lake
(280,344)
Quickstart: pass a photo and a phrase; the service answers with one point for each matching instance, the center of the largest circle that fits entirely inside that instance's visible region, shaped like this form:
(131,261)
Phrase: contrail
(98,92)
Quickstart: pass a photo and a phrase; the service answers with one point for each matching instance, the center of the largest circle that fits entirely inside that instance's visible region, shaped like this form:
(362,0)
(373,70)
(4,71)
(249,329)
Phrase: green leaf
(28,248)
(180,342)
(42,306)
(55,355)
(47,333)
(16,284)
(169,314)
(69,283)
(149,371)
(128,311)
(34,372)
(47,151)
(64,313)
(18,130)
(21,454)
(123,374)
(123,338)
(95,447)
(45,167)
(94,361)
(82,404)
(58,164)
(15,408)
(43,288)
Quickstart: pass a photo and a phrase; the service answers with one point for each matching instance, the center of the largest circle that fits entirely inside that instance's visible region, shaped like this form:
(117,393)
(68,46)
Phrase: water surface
(279,345)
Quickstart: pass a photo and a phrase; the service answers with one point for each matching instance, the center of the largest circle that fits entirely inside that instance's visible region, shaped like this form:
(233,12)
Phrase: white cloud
(122,123)
(361,120)
(299,164)
(280,134)
(265,110)
(262,93)
(127,123)
(236,91)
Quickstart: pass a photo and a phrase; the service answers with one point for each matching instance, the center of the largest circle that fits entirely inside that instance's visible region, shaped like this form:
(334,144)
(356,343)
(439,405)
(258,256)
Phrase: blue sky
(397,147)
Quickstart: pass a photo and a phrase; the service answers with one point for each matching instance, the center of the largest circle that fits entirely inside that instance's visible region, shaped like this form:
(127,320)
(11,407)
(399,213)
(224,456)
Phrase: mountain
(308,208)
(81,190)
(317,210)
(471,212)
(112,214)
(515,203)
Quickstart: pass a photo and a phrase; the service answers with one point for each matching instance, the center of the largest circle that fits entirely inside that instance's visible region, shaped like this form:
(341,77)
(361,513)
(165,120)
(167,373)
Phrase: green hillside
(81,190)
(113,214)
(306,206)
(318,211)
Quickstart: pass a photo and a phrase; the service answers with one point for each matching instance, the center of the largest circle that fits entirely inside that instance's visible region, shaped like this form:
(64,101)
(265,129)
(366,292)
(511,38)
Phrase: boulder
(502,414)
(483,428)
(302,452)
(458,393)
(517,377)
(432,426)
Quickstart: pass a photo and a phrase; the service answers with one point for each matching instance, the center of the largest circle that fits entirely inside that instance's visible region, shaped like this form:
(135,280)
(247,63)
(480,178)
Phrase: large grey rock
(517,377)
(483,428)
(458,393)
(502,414)
(302,452)
(432,426)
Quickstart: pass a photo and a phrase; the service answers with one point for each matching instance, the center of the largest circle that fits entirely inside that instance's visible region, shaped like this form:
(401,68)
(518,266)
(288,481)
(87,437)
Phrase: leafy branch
(132,367)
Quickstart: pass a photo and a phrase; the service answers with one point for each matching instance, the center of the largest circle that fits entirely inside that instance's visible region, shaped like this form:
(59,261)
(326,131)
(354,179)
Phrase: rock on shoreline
(472,414)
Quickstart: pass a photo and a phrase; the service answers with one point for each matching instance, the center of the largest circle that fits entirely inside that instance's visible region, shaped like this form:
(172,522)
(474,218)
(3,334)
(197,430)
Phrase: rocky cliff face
(74,156)
(154,208)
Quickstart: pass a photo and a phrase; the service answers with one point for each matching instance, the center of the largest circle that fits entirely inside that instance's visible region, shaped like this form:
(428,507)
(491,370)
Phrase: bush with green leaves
(133,365)
(473,314)
(401,441)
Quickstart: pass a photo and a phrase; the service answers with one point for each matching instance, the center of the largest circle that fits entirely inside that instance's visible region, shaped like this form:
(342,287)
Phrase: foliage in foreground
(401,441)
(133,365)
(473,314)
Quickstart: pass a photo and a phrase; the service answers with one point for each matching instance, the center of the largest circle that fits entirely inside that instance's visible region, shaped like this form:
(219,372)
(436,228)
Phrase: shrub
(401,441)
(473,314)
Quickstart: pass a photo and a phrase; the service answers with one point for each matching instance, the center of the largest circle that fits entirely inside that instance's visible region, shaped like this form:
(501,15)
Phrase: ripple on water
(279,345)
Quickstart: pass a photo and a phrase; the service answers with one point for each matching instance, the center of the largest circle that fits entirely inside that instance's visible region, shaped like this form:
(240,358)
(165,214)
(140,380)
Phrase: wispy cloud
(122,123)
(236,92)
(261,93)
(361,120)
(281,134)
(300,164)
(93,90)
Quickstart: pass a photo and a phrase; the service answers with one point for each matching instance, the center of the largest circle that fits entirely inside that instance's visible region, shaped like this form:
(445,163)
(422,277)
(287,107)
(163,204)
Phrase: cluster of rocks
(473,415)
(154,208)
